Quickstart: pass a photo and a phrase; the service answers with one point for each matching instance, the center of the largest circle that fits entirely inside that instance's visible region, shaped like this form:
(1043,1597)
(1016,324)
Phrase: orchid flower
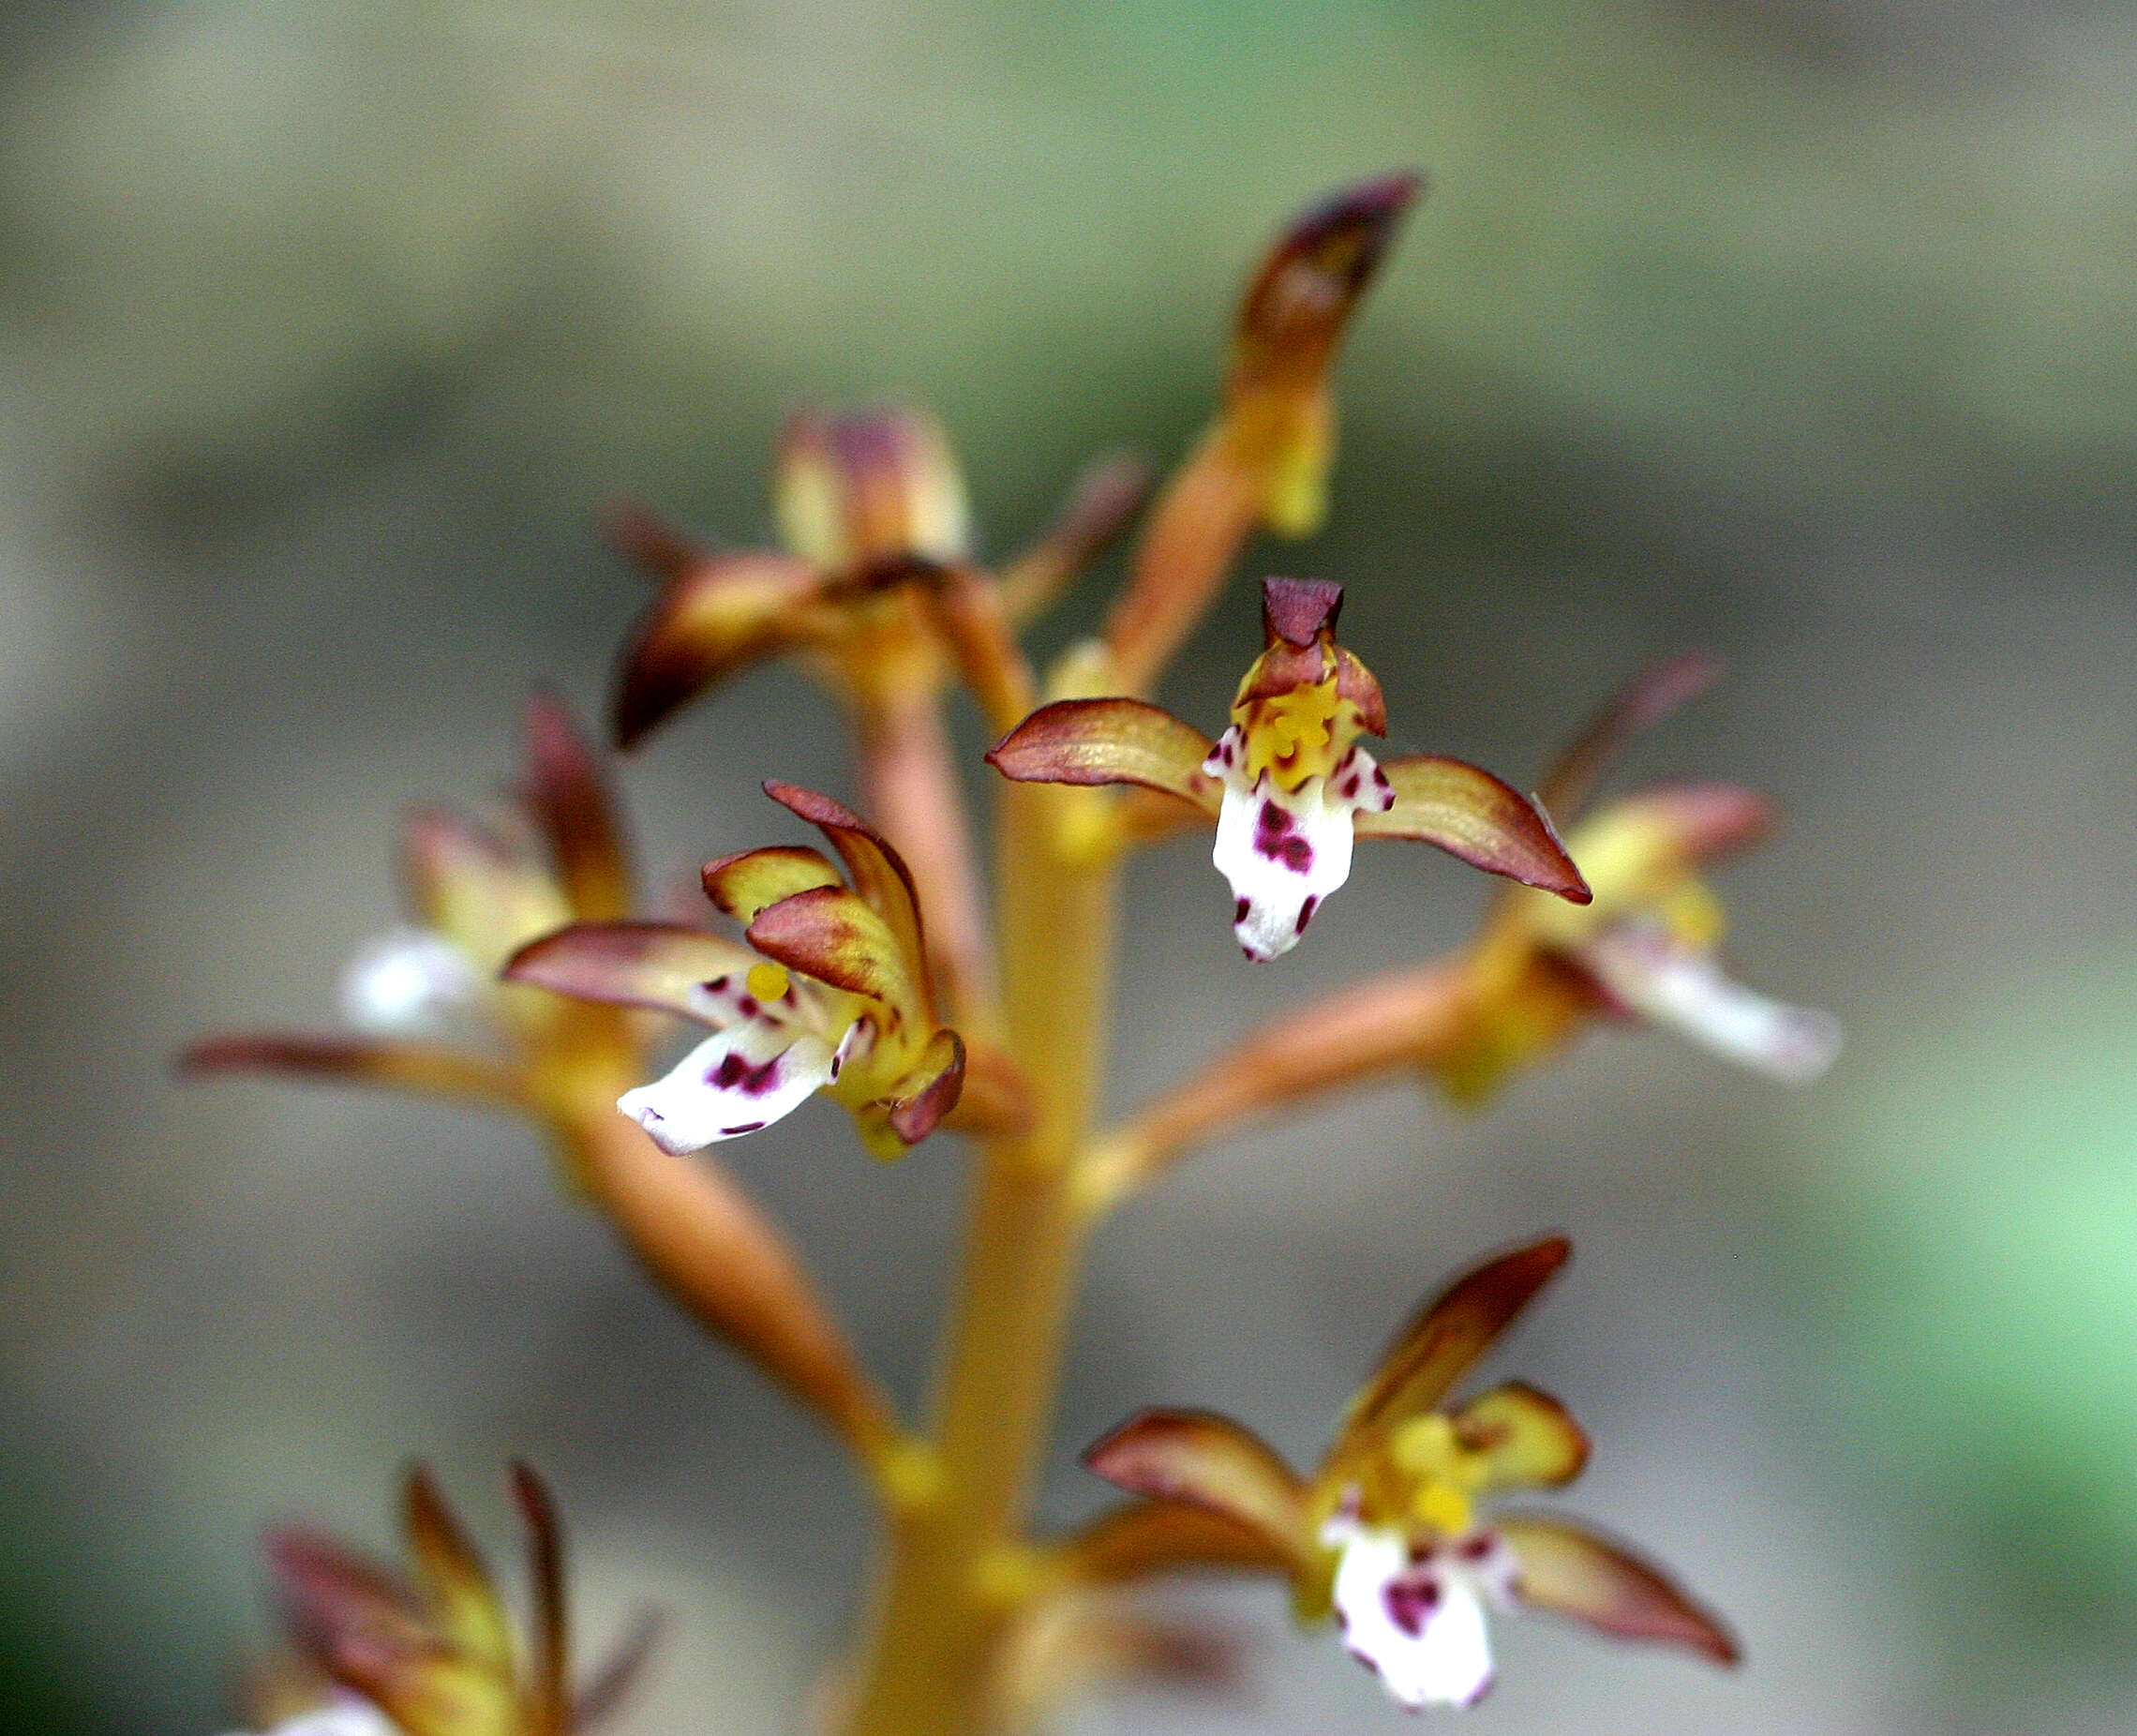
(1648,947)
(831,992)
(433,1654)
(1393,1533)
(872,511)
(428,1012)
(1287,785)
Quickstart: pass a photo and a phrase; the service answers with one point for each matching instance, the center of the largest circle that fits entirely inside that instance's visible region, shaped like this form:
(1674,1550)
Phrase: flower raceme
(1287,785)
(830,994)
(432,1654)
(1388,1533)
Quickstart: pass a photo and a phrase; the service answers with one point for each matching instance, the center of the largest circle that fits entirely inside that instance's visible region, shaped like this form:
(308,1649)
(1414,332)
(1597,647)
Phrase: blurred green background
(1803,330)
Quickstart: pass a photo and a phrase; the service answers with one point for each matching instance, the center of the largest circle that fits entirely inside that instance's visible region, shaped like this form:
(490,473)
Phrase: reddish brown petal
(1449,1333)
(1105,499)
(834,936)
(1528,1439)
(878,872)
(1110,741)
(1639,705)
(1470,815)
(1145,1537)
(609,1689)
(353,1060)
(462,1595)
(1201,1460)
(655,965)
(745,883)
(551,1695)
(1566,1568)
(931,1090)
(572,804)
(718,613)
(1300,299)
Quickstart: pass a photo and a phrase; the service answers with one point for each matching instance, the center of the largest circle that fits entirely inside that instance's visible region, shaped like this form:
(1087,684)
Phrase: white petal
(1416,1621)
(1688,991)
(1284,851)
(733,1082)
(344,1717)
(408,983)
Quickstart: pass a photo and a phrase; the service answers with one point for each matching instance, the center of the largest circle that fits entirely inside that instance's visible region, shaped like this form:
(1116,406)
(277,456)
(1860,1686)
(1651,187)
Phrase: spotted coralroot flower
(873,516)
(1287,785)
(832,994)
(1394,1534)
(428,1011)
(432,1653)
(865,500)
(1648,947)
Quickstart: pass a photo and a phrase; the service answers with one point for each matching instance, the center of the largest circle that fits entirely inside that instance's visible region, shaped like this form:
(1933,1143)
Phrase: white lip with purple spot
(1283,851)
(1415,1617)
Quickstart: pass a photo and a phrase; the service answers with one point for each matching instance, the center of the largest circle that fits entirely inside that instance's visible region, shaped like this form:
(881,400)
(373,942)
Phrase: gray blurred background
(1802,330)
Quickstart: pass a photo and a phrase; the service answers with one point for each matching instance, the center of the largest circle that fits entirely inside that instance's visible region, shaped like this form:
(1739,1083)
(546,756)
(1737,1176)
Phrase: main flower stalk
(956,1558)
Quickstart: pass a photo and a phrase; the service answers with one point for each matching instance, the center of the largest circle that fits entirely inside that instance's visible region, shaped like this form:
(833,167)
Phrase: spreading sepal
(1288,784)
(1386,1536)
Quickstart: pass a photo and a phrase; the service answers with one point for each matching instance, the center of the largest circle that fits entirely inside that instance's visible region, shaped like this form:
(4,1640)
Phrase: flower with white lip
(429,1010)
(1386,1536)
(433,1653)
(832,994)
(1287,785)
(1648,948)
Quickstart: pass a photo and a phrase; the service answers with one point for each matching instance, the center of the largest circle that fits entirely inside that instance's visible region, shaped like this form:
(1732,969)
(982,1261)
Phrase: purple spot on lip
(1273,819)
(736,1073)
(747,1127)
(1411,1603)
(747,1007)
(1351,785)
(1306,912)
(1291,850)
(1240,910)
(1475,1549)
(719,984)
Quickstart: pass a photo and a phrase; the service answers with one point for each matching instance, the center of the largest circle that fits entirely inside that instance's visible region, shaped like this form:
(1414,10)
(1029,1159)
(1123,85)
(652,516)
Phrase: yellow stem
(952,1576)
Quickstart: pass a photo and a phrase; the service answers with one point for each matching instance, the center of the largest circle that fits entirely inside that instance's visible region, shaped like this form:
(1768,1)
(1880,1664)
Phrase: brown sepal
(1093,742)
(551,1695)
(1649,696)
(1570,1568)
(431,1069)
(1298,301)
(1198,1459)
(1445,1337)
(572,803)
(717,614)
